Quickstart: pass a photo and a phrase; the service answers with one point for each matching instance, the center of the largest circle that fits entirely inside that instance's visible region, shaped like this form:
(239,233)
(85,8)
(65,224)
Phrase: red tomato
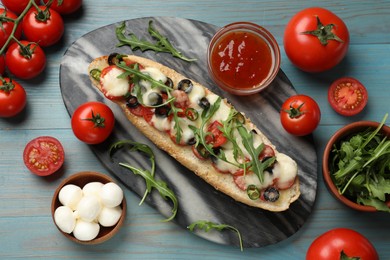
(17,6)
(7,27)
(215,136)
(2,64)
(336,242)
(300,115)
(46,31)
(44,155)
(93,122)
(25,61)
(12,98)
(66,7)
(316,39)
(347,96)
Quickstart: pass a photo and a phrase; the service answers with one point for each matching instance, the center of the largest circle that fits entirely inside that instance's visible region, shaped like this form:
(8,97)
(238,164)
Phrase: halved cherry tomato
(44,155)
(347,96)
(300,115)
(92,122)
(215,136)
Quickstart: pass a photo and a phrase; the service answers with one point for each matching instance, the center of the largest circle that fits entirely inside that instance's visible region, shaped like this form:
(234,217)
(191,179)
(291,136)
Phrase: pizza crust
(184,154)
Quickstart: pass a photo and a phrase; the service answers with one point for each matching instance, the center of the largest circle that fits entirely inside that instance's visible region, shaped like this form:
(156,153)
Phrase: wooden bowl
(80,179)
(336,138)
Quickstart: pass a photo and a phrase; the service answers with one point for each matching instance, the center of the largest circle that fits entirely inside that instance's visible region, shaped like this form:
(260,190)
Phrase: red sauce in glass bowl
(243,58)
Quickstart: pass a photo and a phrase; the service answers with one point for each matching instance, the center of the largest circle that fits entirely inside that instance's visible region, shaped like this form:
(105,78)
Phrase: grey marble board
(197,199)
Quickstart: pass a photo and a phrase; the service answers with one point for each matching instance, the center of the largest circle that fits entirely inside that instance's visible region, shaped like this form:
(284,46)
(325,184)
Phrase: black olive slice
(132,102)
(191,141)
(114,58)
(162,111)
(185,85)
(155,99)
(169,83)
(204,103)
(271,194)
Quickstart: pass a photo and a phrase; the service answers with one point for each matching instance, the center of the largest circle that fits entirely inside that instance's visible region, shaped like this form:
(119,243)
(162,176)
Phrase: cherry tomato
(316,39)
(25,61)
(2,64)
(7,26)
(66,7)
(46,31)
(17,6)
(12,98)
(44,155)
(300,115)
(92,122)
(347,96)
(336,242)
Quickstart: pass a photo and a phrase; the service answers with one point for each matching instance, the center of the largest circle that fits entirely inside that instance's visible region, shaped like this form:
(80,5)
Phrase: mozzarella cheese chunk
(113,84)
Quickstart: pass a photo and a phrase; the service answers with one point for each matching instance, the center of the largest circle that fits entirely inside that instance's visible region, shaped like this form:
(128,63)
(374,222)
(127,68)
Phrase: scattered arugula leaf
(360,167)
(148,175)
(162,44)
(208,225)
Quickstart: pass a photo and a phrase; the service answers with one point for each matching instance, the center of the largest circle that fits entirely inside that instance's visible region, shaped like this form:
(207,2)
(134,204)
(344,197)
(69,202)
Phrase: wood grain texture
(26,228)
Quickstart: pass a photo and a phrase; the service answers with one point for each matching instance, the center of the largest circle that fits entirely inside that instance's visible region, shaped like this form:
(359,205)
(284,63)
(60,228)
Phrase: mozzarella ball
(111,195)
(85,230)
(64,218)
(92,188)
(108,217)
(89,208)
(70,195)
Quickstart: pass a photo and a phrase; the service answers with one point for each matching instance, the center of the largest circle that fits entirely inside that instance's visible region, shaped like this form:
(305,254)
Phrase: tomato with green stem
(65,6)
(13,97)
(43,25)
(315,39)
(300,115)
(341,243)
(92,122)
(7,19)
(347,96)
(17,6)
(25,59)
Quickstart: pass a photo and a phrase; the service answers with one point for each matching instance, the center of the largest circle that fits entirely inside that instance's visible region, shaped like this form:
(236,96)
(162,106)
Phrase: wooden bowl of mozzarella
(88,207)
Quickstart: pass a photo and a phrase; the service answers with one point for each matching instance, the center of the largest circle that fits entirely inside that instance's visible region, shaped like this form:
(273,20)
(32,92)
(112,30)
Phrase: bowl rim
(102,178)
(270,40)
(339,134)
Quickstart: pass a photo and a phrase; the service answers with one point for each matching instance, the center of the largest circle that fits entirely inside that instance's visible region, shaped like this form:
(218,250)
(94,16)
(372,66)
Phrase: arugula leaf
(148,175)
(208,225)
(162,44)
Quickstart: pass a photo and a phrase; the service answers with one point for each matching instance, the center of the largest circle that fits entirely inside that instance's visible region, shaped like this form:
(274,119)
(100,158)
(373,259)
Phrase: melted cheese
(285,170)
(113,85)
(195,95)
(161,123)
(225,166)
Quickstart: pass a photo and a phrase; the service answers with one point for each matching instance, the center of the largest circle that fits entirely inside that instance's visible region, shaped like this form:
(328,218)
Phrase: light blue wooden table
(26,227)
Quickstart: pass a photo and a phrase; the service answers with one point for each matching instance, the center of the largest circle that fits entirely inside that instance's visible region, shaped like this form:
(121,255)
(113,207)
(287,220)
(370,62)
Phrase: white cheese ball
(111,195)
(70,195)
(86,231)
(92,188)
(89,208)
(65,219)
(108,217)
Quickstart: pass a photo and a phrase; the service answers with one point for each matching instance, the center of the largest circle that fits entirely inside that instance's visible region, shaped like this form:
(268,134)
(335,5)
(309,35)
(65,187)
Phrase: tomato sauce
(241,60)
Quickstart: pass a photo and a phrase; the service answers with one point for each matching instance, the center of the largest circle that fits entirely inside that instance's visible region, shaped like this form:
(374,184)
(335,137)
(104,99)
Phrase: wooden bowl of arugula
(356,165)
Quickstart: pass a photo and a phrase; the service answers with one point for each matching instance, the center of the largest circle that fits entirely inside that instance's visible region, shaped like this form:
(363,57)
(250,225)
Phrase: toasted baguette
(185,155)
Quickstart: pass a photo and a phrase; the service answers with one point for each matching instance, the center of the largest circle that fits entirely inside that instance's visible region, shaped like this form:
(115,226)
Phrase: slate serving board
(197,199)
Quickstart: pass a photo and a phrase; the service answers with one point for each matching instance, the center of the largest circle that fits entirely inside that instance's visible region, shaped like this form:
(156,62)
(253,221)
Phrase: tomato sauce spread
(241,59)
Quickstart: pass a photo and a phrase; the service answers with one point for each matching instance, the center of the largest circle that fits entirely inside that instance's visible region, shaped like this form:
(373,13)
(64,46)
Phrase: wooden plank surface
(26,227)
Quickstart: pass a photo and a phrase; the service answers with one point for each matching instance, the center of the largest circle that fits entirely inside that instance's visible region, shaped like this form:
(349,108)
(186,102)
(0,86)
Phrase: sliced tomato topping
(43,155)
(284,185)
(215,136)
(347,96)
(105,90)
(239,180)
(147,114)
(266,153)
